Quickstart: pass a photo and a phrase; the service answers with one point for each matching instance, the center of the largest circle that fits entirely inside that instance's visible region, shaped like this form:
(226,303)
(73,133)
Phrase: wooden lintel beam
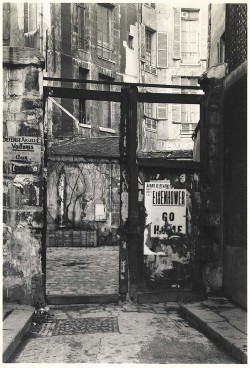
(170,98)
(74,93)
(168,164)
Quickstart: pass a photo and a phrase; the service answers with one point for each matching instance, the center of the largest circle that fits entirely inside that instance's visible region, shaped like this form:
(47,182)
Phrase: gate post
(132,191)
(129,189)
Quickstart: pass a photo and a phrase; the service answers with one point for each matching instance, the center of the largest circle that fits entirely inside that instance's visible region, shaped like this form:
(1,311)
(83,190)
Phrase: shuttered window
(162,43)
(162,111)
(177,34)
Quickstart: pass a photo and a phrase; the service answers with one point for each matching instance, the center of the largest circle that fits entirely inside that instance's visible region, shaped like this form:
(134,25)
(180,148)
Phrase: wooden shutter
(177,34)
(176,108)
(162,111)
(143,42)
(162,47)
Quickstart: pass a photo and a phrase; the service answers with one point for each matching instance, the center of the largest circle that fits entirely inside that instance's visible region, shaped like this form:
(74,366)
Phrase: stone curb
(232,345)
(15,327)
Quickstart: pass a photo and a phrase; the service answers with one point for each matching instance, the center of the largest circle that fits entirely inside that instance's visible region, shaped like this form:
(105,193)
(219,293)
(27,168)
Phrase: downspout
(41,28)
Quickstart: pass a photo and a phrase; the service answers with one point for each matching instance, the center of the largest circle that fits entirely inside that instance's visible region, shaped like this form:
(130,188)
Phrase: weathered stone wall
(22,178)
(235,185)
(212,178)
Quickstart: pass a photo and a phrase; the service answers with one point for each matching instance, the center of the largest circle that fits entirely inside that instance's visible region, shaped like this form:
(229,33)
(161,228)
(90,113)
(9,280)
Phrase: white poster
(166,208)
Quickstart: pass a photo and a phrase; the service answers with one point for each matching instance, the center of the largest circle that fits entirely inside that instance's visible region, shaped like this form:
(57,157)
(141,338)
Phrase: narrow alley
(118,333)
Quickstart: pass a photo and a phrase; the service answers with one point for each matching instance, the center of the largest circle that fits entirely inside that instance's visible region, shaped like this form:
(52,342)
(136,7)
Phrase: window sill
(108,130)
(151,130)
(190,64)
(110,61)
(85,126)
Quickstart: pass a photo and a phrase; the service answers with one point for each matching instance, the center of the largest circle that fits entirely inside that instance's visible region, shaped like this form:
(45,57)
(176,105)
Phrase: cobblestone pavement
(153,333)
(82,271)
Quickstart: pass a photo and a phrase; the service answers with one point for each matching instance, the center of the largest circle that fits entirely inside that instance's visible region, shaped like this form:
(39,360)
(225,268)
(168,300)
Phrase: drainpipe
(41,28)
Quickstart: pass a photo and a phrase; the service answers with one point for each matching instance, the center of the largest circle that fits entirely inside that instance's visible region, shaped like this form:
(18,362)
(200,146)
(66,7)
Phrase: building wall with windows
(173,52)
(90,41)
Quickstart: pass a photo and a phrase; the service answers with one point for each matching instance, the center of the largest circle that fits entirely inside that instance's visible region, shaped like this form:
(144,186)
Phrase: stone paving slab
(224,322)
(144,338)
(15,327)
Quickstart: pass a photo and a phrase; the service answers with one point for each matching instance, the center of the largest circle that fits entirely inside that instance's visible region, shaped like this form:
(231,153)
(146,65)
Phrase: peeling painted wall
(89,202)
(22,180)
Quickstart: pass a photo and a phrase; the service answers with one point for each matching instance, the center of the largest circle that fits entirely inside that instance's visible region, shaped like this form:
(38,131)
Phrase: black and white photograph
(124,182)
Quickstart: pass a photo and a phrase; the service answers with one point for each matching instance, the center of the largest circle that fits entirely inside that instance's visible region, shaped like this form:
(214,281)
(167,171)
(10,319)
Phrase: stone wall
(22,174)
(235,185)
(212,178)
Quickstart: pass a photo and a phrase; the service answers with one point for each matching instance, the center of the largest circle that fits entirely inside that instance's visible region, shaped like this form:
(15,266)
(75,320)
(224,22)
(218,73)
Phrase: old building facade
(85,197)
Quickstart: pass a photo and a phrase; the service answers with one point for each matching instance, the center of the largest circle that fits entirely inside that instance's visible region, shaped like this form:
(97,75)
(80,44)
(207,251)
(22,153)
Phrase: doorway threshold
(82,299)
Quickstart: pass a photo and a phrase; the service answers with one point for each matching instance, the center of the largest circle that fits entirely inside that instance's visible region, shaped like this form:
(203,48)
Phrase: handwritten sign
(23,149)
(166,208)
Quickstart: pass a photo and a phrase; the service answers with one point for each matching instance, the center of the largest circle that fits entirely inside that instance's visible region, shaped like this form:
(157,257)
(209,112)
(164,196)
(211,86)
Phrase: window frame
(107,88)
(189,19)
(190,123)
(81,34)
(30,9)
(104,51)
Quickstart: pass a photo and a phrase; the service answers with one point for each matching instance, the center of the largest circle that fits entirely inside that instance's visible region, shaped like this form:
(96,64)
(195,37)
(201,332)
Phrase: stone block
(15,88)
(32,80)
(15,106)
(31,103)
(16,74)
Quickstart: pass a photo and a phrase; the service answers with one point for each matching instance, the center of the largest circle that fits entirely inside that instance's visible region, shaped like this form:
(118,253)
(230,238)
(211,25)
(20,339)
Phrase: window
(82,41)
(151,123)
(105,106)
(221,49)
(190,114)
(83,74)
(104,31)
(148,38)
(30,17)
(131,42)
(186,42)
(190,36)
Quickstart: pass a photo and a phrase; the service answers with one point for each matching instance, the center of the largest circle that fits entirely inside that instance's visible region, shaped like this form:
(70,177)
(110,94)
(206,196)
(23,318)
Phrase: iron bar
(120,83)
